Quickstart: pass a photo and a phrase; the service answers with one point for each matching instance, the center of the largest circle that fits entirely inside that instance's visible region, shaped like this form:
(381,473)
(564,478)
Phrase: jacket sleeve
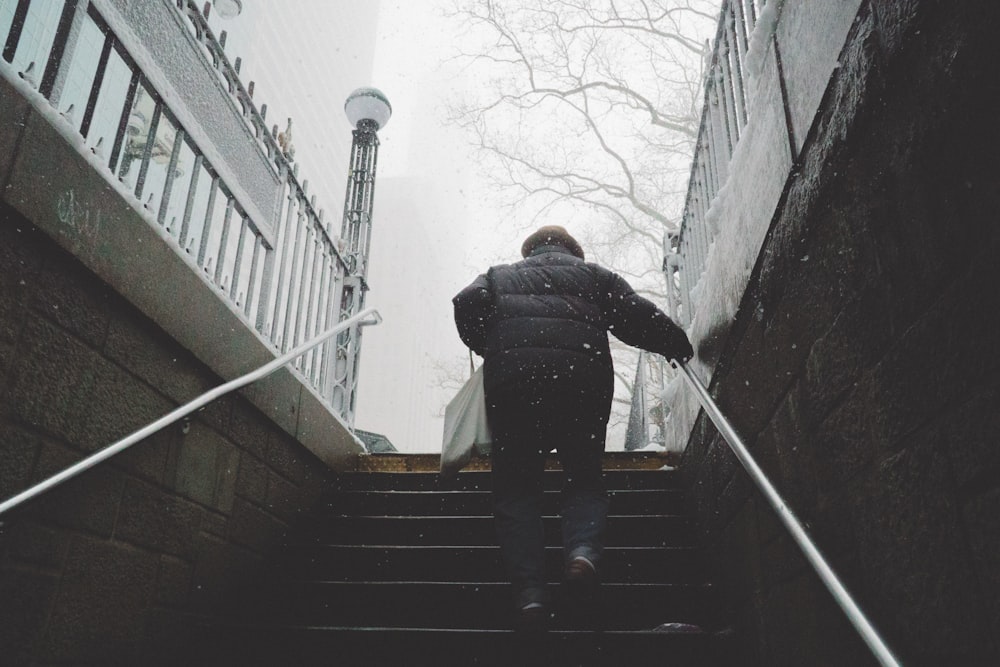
(474,310)
(637,321)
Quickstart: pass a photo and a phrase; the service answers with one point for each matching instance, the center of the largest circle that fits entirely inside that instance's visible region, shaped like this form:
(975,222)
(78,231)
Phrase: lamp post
(368,110)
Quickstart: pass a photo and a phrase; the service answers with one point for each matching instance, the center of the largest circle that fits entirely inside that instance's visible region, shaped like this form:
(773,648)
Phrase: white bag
(465,427)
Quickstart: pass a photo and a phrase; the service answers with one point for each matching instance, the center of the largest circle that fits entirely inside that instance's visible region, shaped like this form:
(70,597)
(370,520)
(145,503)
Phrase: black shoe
(581,607)
(533,618)
(581,574)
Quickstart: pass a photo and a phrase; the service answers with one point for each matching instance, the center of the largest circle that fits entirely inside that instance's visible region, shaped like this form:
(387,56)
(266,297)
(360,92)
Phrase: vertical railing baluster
(742,29)
(238,264)
(726,82)
(206,230)
(315,297)
(192,191)
(268,287)
(119,138)
(147,151)
(692,236)
(16,27)
(285,250)
(266,281)
(321,319)
(735,72)
(293,286)
(710,184)
(699,229)
(714,151)
(168,182)
(307,319)
(300,308)
(687,278)
(253,289)
(60,44)
(318,316)
(332,313)
(95,89)
(743,42)
(702,246)
(220,256)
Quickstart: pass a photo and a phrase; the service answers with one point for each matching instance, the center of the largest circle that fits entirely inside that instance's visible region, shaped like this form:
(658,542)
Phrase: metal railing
(840,594)
(366,318)
(214,47)
(725,113)
(285,276)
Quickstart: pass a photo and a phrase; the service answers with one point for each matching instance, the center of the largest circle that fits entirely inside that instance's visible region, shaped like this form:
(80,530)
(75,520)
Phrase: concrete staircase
(399,568)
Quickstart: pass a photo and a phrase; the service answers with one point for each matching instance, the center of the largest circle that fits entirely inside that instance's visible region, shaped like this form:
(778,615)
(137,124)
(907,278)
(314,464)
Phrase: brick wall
(862,366)
(92,572)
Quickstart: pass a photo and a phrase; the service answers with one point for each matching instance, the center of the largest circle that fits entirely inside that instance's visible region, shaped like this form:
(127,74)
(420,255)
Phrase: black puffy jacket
(542,324)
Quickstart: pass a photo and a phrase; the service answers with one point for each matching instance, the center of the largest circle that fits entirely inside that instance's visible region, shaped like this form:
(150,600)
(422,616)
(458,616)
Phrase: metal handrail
(367,317)
(787,517)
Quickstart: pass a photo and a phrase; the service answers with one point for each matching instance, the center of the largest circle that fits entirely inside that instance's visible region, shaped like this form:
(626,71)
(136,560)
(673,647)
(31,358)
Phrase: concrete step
(260,644)
(431,462)
(399,567)
(479,503)
(478,563)
(403,604)
(480,480)
(629,530)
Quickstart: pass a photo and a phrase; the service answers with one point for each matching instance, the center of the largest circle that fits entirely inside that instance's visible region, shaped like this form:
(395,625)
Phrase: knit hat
(551,235)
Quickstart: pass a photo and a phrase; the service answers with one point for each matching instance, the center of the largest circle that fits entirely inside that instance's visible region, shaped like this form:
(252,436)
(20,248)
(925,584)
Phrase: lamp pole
(368,110)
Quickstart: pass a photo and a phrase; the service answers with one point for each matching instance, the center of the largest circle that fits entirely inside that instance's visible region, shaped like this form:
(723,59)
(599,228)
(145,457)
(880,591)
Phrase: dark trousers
(525,430)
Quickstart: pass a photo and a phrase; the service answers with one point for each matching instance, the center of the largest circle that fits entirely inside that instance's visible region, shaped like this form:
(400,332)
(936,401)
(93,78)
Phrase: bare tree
(589,111)
(449,375)
(587,115)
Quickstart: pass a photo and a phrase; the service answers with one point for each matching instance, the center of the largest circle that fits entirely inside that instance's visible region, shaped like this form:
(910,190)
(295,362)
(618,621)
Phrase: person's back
(548,334)
(541,325)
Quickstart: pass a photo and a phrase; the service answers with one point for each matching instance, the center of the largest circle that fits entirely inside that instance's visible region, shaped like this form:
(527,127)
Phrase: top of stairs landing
(399,462)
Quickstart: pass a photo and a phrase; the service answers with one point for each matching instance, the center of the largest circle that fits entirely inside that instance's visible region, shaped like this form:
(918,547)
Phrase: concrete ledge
(809,56)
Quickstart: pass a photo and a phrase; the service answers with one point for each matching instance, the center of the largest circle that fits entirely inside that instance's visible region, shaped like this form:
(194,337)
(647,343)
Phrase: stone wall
(862,364)
(95,570)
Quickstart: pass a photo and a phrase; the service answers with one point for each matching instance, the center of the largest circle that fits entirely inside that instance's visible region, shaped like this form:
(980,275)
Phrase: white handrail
(787,517)
(367,317)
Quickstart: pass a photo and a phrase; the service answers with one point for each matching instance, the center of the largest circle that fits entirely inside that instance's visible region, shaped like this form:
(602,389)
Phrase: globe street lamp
(368,110)
(228,9)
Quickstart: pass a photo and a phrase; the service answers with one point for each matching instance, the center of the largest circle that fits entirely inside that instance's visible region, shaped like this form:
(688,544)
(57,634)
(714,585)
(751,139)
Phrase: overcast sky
(432,235)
